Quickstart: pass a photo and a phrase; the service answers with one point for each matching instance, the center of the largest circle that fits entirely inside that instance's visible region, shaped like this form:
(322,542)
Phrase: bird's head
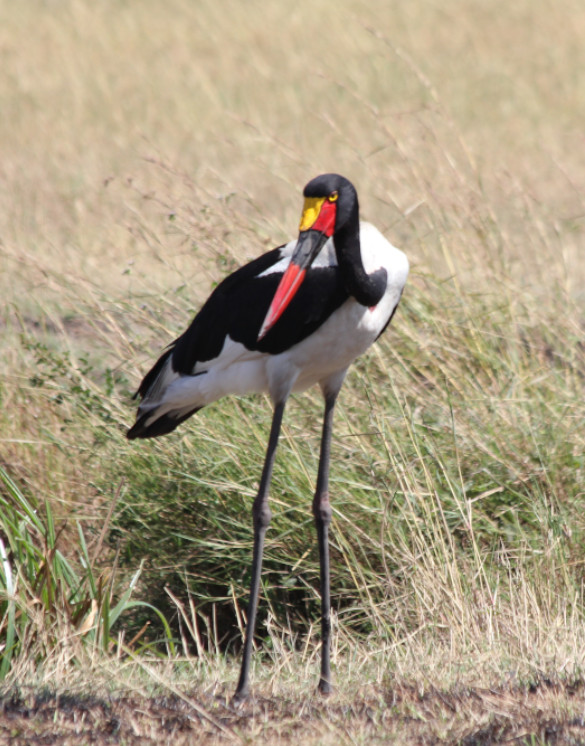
(330,203)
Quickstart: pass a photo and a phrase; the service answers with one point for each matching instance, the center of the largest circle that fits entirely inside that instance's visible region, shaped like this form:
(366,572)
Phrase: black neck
(366,289)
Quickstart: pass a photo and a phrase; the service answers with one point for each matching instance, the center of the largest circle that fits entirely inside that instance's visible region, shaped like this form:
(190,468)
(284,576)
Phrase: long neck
(367,289)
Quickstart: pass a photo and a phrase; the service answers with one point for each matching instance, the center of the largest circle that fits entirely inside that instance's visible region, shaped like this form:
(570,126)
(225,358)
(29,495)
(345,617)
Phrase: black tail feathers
(162,425)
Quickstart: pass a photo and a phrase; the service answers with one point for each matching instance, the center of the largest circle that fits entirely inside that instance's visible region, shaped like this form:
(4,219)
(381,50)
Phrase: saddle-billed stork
(296,316)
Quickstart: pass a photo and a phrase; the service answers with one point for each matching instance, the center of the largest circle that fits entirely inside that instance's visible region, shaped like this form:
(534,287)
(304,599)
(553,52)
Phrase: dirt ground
(549,712)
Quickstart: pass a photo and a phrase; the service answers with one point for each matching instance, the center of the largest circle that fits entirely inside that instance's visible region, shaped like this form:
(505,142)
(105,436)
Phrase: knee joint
(322,510)
(262,516)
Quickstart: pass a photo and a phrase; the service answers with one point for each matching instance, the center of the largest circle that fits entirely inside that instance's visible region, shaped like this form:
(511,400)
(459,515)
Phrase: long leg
(322,513)
(261,516)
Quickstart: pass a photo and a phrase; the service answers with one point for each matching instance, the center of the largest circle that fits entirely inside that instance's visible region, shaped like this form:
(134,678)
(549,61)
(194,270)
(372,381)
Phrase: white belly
(346,335)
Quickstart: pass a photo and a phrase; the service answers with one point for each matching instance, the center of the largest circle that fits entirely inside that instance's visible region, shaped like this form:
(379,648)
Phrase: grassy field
(147,149)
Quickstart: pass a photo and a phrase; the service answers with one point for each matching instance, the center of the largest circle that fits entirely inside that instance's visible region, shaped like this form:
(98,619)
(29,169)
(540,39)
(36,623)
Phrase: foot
(240,697)
(325,688)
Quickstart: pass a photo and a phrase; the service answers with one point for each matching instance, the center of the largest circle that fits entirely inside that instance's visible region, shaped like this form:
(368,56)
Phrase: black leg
(322,513)
(261,515)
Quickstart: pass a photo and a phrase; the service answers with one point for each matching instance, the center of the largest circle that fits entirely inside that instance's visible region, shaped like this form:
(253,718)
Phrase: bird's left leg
(322,513)
(261,515)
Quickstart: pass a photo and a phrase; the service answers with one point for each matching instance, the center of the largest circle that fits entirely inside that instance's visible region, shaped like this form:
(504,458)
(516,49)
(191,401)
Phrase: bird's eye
(333,196)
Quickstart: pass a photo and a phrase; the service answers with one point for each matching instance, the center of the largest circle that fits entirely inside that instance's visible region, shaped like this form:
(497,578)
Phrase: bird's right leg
(261,515)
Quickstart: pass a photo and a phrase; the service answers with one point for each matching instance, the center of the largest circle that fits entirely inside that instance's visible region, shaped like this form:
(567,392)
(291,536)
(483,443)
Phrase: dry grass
(145,150)
(544,712)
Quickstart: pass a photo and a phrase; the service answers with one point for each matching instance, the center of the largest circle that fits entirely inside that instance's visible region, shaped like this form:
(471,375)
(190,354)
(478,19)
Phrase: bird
(296,316)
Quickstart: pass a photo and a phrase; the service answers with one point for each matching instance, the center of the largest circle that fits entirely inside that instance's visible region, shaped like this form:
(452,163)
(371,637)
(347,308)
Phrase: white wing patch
(378,252)
(325,258)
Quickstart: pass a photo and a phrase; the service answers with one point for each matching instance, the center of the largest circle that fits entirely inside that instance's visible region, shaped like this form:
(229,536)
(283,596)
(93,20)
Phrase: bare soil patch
(546,712)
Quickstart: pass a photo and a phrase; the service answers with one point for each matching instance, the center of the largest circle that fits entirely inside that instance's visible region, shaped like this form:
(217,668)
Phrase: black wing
(238,305)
